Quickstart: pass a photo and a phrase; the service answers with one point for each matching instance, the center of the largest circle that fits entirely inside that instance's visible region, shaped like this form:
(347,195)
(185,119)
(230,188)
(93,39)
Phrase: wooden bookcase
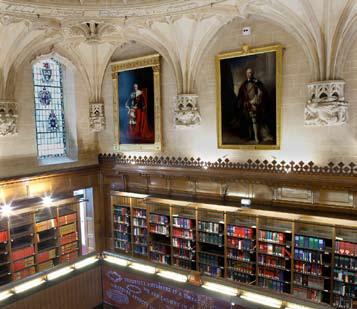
(35,237)
(313,258)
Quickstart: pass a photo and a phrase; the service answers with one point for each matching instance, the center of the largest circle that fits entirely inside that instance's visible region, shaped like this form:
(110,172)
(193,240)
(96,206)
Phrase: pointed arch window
(49,109)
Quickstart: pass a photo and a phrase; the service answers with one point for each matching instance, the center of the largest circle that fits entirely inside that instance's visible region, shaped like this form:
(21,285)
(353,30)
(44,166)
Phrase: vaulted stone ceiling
(88,31)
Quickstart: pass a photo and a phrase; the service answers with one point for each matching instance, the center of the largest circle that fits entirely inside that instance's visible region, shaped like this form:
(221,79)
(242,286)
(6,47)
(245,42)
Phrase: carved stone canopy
(186,112)
(326,105)
(8,118)
(96,117)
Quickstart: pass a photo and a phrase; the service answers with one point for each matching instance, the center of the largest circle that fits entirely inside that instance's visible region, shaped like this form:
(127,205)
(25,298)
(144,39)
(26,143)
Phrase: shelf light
(5,295)
(47,200)
(263,300)
(85,262)
(28,285)
(116,260)
(59,273)
(144,268)
(220,288)
(6,210)
(172,276)
(296,306)
(339,238)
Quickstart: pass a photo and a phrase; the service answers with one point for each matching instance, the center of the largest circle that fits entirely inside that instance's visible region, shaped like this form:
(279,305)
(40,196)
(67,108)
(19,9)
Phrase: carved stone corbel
(326,105)
(8,118)
(96,117)
(186,110)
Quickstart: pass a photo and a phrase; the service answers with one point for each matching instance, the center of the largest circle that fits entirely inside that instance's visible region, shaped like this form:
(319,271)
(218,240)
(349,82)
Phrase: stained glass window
(49,109)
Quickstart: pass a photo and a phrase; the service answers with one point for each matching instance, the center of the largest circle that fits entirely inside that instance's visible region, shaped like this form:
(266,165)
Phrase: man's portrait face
(135,87)
(249,73)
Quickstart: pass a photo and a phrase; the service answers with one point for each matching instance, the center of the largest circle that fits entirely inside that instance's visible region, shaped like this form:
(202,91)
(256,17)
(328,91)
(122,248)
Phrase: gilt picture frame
(137,104)
(249,89)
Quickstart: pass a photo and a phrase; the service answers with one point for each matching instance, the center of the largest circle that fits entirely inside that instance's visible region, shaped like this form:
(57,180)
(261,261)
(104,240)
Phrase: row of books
(308,256)
(210,227)
(241,232)
(240,244)
(216,239)
(308,268)
(183,243)
(308,281)
(276,237)
(159,219)
(121,211)
(212,260)
(213,271)
(306,293)
(343,302)
(346,248)
(139,222)
(270,273)
(345,276)
(184,254)
(139,231)
(239,255)
(271,284)
(176,232)
(160,229)
(140,250)
(159,258)
(310,242)
(273,249)
(183,222)
(346,262)
(241,267)
(121,219)
(240,276)
(4,236)
(185,264)
(344,289)
(139,213)
(271,261)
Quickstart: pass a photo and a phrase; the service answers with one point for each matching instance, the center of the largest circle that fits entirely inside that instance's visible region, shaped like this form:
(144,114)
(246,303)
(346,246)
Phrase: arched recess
(68,109)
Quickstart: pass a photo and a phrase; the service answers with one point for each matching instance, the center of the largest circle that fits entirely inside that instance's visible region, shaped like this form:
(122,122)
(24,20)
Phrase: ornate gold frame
(132,64)
(246,51)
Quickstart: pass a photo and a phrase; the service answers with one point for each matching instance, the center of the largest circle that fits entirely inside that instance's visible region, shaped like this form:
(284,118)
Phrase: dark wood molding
(305,175)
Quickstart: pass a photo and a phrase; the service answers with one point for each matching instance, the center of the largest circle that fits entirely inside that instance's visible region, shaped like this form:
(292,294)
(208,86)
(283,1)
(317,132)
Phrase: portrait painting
(249,98)
(137,122)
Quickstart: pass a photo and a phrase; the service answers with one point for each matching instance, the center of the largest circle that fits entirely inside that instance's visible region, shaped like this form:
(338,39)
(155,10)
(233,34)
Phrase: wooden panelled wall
(326,192)
(82,291)
(57,183)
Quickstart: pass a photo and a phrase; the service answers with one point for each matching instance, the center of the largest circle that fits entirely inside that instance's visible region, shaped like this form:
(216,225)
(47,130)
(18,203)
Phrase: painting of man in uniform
(136,106)
(248,100)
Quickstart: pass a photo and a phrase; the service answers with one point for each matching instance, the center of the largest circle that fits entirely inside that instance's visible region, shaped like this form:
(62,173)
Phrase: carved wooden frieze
(274,166)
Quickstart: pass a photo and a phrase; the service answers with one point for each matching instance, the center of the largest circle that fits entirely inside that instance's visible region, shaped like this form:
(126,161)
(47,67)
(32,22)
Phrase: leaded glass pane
(49,109)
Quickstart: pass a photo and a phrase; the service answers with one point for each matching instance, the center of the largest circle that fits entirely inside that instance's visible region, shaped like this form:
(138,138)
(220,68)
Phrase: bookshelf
(184,236)
(241,249)
(274,238)
(160,234)
(312,258)
(35,237)
(345,269)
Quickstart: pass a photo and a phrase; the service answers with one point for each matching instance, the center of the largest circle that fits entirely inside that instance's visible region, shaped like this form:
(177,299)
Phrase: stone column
(96,117)
(8,118)
(326,105)
(186,110)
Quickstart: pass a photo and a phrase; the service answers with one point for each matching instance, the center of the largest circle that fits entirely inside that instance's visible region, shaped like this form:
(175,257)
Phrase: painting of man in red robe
(137,106)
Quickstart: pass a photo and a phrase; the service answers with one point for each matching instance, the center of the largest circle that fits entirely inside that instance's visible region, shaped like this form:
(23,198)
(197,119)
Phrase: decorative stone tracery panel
(186,111)
(326,105)
(96,117)
(8,118)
